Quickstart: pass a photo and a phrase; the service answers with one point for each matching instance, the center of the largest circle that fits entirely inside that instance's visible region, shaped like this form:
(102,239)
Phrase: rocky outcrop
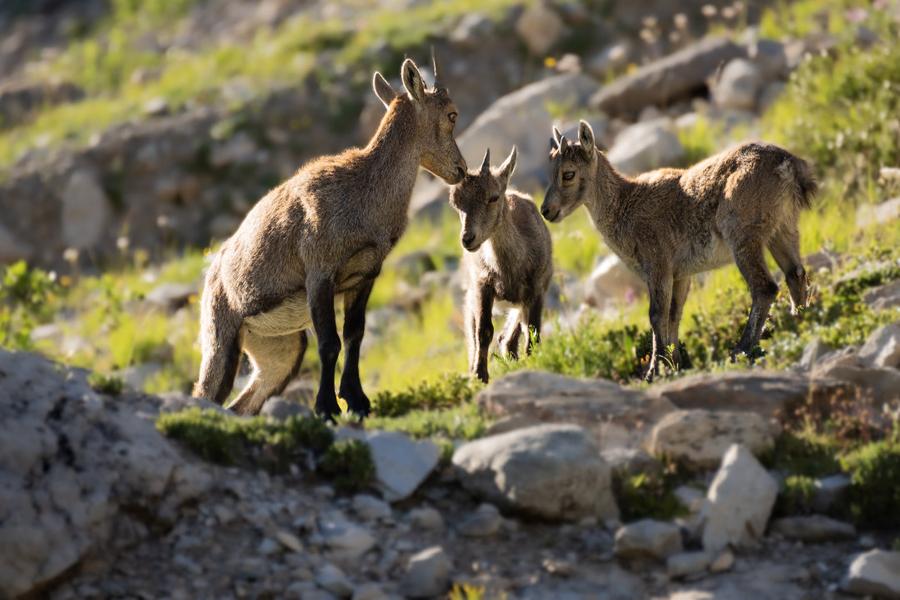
(551,471)
(874,573)
(646,146)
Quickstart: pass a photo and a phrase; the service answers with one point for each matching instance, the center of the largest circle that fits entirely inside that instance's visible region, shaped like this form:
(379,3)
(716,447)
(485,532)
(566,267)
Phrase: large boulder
(539,28)
(646,146)
(700,437)
(865,380)
(82,472)
(612,284)
(874,573)
(880,298)
(85,210)
(550,471)
(522,119)
(739,502)
(882,347)
(675,77)
(427,573)
(738,85)
(615,416)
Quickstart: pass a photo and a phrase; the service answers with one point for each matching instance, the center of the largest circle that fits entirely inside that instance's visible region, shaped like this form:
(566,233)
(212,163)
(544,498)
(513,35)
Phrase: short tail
(799,178)
(219,342)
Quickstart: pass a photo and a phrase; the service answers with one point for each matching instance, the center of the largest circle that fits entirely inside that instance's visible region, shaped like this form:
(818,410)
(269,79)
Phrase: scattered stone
(289,540)
(346,538)
(739,502)
(371,508)
(648,538)
(646,146)
(280,408)
(882,347)
(875,573)
(738,85)
(685,564)
(813,528)
(880,298)
(267,547)
(539,28)
(426,518)
(723,562)
(551,471)
(332,579)
(664,81)
(701,437)
(485,521)
(427,573)
(868,215)
(369,591)
(171,296)
(401,463)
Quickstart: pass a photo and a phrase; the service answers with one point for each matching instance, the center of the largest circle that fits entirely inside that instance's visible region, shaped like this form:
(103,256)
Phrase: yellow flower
(549,62)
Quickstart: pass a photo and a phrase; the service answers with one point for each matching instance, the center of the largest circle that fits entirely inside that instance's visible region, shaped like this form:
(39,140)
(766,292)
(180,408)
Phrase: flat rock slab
(875,573)
(616,416)
(550,471)
(813,528)
(648,538)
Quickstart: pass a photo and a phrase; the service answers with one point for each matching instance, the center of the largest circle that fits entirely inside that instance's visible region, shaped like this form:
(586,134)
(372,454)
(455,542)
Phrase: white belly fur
(290,316)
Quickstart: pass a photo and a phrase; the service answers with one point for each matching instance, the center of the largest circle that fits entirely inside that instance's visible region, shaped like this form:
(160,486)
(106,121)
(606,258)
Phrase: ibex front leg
(320,295)
(481,302)
(354,328)
(659,286)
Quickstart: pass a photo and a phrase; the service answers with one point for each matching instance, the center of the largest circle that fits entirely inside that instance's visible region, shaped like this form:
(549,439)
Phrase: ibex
(670,224)
(508,258)
(321,234)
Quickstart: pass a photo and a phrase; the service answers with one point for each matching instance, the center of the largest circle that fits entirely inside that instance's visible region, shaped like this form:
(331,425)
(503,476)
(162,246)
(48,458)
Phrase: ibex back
(323,233)
(669,224)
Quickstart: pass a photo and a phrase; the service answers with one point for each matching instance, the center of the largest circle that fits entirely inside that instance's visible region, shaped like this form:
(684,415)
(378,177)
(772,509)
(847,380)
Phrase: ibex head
(480,200)
(434,117)
(572,172)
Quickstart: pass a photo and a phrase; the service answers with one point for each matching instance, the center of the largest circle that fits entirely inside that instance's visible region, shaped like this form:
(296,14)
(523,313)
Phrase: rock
(665,81)
(485,521)
(289,540)
(551,471)
(401,463)
(369,591)
(82,473)
(280,409)
(874,573)
(171,296)
(685,564)
(701,437)
(616,417)
(880,383)
(539,28)
(770,57)
(156,107)
(609,59)
(690,497)
(766,393)
(344,537)
(333,580)
(427,573)
(829,492)
(880,298)
(472,29)
(521,118)
(868,215)
(648,538)
(813,528)
(813,351)
(646,146)
(371,508)
(882,347)
(738,85)
(723,562)
(12,248)
(85,210)
(426,518)
(612,284)
(739,502)
(769,95)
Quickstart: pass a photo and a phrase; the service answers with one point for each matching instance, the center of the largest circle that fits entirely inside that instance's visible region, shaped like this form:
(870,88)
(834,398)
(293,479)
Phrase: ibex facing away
(508,259)
(669,224)
(321,234)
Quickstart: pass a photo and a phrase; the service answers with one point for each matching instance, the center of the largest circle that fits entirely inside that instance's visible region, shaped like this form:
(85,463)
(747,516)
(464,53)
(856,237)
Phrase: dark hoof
(327,408)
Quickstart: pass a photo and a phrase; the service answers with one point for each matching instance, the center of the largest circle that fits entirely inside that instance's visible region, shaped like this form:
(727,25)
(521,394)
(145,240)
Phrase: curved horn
(434,67)
(486,163)
(563,143)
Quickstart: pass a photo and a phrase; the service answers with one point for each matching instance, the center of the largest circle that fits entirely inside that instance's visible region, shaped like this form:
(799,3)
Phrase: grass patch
(875,474)
(648,495)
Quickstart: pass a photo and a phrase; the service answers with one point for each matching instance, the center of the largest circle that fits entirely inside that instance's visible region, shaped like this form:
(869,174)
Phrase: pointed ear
(508,167)
(412,80)
(486,162)
(563,144)
(384,90)
(556,135)
(586,137)
(554,145)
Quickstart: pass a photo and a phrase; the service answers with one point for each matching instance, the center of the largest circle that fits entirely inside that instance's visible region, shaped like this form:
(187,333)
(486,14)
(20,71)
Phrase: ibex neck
(394,154)
(605,201)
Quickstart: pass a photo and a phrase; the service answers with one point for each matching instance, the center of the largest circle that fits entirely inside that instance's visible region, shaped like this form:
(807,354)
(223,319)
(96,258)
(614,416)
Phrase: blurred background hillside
(134,136)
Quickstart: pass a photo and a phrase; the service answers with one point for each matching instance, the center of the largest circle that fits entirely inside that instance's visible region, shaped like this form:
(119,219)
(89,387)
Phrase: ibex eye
(569,175)
(493,199)
(452,117)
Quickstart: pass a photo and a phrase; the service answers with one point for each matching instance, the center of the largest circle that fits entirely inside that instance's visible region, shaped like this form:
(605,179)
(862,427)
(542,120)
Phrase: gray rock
(882,347)
(371,508)
(427,573)
(280,408)
(739,502)
(646,146)
(539,28)
(484,522)
(552,471)
(813,528)
(813,351)
(369,591)
(880,298)
(701,437)
(85,210)
(881,383)
(770,57)
(426,518)
(12,248)
(738,85)
(648,538)
(332,579)
(665,81)
(685,564)
(608,59)
(875,573)
(344,537)
(171,296)
(401,463)
(612,284)
(723,562)
(868,215)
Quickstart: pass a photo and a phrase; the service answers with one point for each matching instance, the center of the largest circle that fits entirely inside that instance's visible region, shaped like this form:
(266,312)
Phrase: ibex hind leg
(275,360)
(509,337)
(785,249)
(748,255)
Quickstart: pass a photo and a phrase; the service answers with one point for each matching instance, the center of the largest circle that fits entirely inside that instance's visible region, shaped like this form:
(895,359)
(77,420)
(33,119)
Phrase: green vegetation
(106,384)
(648,495)
(875,473)
(349,465)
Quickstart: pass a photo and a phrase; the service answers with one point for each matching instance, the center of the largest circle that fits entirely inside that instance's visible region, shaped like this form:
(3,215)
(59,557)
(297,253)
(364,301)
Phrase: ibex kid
(508,258)
(670,224)
(322,234)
